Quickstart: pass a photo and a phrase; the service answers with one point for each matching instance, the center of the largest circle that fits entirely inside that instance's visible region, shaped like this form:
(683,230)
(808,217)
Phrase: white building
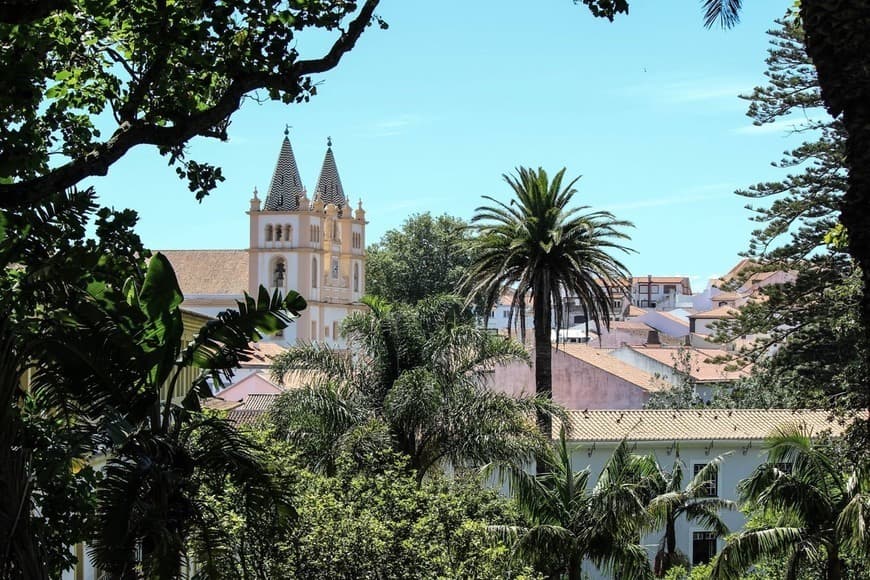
(661,292)
(696,437)
(314,246)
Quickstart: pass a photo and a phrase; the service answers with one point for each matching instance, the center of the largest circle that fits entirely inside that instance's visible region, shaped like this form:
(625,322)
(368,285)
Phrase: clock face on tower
(334,267)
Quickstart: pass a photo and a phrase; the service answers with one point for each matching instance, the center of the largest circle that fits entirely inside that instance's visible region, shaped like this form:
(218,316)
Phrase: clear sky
(428,115)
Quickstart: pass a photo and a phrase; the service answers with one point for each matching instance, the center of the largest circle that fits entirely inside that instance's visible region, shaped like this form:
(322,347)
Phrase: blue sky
(428,115)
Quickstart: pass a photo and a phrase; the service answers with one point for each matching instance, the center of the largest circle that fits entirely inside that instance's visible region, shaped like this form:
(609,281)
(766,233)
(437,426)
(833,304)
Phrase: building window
(333,268)
(268,233)
(326,331)
(335,232)
(278,273)
(315,233)
(703,547)
(617,304)
(314,275)
(654,288)
(356,277)
(356,239)
(277,233)
(712,486)
(504,313)
(642,287)
(313,330)
(288,232)
(335,330)
(670,289)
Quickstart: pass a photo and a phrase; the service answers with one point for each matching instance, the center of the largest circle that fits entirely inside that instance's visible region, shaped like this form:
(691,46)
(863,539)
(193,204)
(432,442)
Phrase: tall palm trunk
(833,570)
(543,357)
(574,567)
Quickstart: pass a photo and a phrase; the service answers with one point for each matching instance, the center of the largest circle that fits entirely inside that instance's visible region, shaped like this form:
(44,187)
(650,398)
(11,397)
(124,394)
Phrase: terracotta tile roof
(716,313)
(659,279)
(727,296)
(601,359)
(689,424)
(760,276)
(629,325)
(702,369)
(507,298)
(738,268)
(253,410)
(677,319)
(210,271)
(245,417)
(259,402)
(263,353)
(218,404)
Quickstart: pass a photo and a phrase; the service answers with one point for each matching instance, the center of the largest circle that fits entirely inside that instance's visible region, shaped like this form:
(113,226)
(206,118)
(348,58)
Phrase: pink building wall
(576,384)
(250,385)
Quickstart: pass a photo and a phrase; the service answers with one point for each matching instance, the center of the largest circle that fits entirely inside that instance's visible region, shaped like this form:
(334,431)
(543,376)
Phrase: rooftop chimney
(652,338)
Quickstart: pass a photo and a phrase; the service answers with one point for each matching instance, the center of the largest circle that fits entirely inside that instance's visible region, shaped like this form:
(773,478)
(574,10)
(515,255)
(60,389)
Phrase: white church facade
(312,244)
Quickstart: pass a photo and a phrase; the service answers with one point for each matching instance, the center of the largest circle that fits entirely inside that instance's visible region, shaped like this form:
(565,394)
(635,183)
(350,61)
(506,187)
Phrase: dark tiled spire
(329,189)
(286,187)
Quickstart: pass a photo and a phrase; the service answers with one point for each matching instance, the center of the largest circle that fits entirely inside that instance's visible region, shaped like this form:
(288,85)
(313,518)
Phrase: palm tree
(672,501)
(818,511)
(546,251)
(417,377)
(569,522)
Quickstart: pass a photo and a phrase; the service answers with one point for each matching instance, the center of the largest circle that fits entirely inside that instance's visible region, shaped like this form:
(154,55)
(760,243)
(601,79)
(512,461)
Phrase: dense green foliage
(544,250)
(370,519)
(426,257)
(817,513)
(47,270)
(570,521)
(99,333)
(156,73)
(812,349)
(414,376)
(672,501)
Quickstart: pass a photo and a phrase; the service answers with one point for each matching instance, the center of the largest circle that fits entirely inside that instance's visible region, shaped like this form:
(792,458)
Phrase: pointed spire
(329,189)
(286,187)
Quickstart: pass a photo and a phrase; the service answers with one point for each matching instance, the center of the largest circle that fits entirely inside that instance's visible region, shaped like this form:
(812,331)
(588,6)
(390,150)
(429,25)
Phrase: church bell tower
(314,246)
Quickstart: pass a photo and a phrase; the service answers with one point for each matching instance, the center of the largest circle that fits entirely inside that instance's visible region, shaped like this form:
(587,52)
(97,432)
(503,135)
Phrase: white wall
(739,464)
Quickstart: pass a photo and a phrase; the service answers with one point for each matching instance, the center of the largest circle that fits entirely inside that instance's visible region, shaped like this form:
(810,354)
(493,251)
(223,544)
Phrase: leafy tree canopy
(370,519)
(82,82)
(427,256)
(415,378)
(812,349)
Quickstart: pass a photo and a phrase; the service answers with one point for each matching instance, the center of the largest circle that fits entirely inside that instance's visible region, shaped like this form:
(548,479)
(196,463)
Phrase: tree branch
(24,11)
(131,134)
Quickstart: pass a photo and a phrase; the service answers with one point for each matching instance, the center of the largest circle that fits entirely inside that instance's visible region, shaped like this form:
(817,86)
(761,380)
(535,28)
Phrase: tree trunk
(543,360)
(832,568)
(671,537)
(837,42)
(574,569)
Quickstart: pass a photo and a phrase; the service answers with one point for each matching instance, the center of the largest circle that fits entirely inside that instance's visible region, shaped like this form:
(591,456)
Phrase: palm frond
(726,12)
(748,547)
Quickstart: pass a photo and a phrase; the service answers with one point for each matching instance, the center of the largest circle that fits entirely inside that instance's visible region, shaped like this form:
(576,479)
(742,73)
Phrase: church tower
(314,246)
